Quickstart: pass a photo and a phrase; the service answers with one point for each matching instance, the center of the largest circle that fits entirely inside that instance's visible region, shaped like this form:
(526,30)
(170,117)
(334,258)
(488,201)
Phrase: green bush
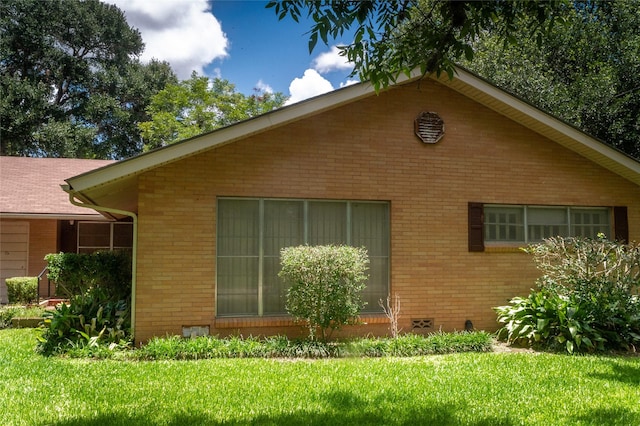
(75,273)
(22,289)
(416,345)
(88,320)
(326,283)
(550,320)
(586,298)
(98,286)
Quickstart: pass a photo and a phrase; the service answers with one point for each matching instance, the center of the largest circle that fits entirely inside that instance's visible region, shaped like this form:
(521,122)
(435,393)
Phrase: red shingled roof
(31,186)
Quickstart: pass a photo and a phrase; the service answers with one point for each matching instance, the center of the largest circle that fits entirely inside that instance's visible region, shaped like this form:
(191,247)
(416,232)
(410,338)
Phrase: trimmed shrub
(586,298)
(22,289)
(326,283)
(75,273)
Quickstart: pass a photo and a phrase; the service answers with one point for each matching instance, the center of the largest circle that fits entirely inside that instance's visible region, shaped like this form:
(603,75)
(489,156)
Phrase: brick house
(441,180)
(36,217)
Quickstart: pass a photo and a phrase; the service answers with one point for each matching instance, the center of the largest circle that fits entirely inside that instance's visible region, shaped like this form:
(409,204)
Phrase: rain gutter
(134,258)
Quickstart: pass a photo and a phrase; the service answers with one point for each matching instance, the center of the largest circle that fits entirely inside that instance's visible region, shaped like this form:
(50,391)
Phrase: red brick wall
(368,151)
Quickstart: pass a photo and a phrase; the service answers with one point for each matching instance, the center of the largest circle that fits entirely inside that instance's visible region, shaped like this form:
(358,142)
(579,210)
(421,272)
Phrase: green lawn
(467,389)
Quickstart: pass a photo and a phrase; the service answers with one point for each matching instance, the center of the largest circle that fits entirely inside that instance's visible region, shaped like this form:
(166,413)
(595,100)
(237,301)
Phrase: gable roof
(115,185)
(30,187)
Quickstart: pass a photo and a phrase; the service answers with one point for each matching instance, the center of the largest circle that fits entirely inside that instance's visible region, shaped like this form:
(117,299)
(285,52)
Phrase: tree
(396,37)
(200,105)
(586,72)
(70,79)
(577,59)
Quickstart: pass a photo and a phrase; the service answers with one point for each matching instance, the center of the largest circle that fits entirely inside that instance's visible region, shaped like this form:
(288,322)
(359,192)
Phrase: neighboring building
(441,180)
(36,217)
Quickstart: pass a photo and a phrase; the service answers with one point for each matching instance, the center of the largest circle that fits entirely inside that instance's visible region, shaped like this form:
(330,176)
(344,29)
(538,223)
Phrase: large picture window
(251,233)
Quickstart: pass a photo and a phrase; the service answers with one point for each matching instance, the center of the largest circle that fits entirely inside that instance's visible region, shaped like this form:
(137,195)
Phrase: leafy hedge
(22,289)
(74,273)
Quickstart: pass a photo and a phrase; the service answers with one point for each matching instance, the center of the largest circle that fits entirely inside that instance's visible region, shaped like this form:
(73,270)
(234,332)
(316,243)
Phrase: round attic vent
(429,127)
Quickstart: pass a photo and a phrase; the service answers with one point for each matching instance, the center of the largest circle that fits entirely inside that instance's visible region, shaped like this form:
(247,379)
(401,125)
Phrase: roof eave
(189,147)
(52,216)
(464,82)
(545,124)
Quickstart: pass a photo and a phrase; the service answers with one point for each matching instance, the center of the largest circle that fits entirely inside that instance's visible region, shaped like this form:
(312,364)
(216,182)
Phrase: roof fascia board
(51,216)
(171,153)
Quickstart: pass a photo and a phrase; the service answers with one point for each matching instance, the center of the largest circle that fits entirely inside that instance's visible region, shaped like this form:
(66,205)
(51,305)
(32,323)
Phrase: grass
(18,311)
(460,389)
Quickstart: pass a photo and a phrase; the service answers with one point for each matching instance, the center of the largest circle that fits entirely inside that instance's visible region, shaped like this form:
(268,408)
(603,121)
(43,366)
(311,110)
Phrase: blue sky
(238,40)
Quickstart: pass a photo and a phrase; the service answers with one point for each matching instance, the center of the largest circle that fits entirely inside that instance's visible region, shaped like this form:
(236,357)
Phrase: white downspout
(134,248)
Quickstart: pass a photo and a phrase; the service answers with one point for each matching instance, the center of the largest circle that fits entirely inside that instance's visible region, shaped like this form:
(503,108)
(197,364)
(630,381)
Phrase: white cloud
(182,32)
(264,87)
(311,84)
(349,83)
(331,61)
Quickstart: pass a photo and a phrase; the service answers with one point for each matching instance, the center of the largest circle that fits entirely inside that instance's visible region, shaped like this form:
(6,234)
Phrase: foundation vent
(424,324)
(195,331)
(429,127)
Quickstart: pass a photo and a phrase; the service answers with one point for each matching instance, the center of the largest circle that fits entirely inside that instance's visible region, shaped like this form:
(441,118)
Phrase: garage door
(14,253)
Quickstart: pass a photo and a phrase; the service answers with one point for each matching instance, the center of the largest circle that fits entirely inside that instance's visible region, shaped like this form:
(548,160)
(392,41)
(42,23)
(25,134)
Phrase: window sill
(230,322)
(504,249)
(284,321)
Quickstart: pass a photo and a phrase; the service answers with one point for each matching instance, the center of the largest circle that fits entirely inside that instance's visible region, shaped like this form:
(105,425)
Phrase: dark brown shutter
(476,227)
(620,224)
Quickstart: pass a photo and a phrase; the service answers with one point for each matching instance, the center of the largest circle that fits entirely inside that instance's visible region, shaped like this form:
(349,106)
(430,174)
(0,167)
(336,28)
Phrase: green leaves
(393,38)
(88,320)
(199,105)
(325,285)
(72,87)
(578,67)
(586,298)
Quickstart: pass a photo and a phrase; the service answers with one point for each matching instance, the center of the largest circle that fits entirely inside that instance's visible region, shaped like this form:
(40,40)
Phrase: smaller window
(504,224)
(94,236)
(589,222)
(530,224)
(546,222)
